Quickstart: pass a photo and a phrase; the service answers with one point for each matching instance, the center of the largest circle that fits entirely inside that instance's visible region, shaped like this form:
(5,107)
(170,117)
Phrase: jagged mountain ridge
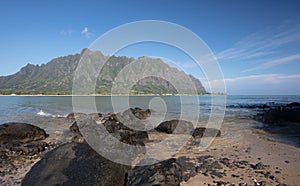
(56,77)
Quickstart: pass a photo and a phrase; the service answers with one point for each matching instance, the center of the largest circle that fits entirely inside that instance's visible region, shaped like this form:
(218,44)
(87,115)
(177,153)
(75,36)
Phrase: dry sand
(282,161)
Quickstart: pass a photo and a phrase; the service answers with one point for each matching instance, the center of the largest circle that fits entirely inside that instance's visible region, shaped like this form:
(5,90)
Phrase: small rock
(235,176)
(258,166)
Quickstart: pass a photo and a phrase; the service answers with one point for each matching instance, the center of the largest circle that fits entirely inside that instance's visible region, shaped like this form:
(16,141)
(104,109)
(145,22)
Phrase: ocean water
(239,110)
(22,108)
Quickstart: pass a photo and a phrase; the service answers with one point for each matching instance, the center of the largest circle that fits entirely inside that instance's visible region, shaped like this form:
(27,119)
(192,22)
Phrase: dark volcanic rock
(140,113)
(76,115)
(289,112)
(294,104)
(77,136)
(165,173)
(176,126)
(96,116)
(133,137)
(114,127)
(27,149)
(209,132)
(123,145)
(133,118)
(75,164)
(20,132)
(188,168)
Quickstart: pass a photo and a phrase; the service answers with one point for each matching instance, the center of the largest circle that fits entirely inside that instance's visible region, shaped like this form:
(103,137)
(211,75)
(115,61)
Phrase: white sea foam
(46,114)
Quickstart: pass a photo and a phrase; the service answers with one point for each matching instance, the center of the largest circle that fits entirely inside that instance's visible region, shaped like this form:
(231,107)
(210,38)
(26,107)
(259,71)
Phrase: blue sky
(257,43)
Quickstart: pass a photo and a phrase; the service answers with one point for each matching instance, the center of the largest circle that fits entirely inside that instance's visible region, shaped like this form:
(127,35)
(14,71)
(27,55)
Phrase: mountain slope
(56,77)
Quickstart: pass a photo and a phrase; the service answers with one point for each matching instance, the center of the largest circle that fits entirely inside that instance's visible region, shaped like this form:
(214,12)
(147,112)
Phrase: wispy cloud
(264,83)
(275,62)
(86,32)
(264,78)
(264,44)
(67,32)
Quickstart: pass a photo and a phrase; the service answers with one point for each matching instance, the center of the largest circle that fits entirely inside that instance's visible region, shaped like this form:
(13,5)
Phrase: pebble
(235,176)
(258,166)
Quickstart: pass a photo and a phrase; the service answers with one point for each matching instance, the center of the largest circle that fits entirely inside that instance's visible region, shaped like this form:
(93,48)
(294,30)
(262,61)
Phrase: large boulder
(20,132)
(77,136)
(96,116)
(121,144)
(75,164)
(167,173)
(114,127)
(176,126)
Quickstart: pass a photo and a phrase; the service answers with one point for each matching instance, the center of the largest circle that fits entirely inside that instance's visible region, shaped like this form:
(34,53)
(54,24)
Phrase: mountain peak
(28,69)
(56,77)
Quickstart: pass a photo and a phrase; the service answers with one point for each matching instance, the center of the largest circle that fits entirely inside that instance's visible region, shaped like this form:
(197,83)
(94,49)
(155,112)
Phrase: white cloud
(86,32)
(261,84)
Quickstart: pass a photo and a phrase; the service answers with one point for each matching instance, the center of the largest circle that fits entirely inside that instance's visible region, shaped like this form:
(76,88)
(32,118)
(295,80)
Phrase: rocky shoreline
(38,159)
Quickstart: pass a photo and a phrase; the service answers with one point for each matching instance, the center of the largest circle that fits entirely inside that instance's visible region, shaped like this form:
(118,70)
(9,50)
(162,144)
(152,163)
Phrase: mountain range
(56,77)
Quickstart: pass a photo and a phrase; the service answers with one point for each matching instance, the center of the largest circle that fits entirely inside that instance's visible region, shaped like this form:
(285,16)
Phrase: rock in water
(175,126)
(20,132)
(282,114)
(140,113)
(166,173)
(75,164)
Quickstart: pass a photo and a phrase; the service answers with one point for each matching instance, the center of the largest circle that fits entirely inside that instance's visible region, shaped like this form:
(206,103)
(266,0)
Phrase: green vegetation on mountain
(56,77)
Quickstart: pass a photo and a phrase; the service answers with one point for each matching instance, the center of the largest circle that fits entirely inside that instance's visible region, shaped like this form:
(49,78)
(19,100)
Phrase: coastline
(244,144)
(102,95)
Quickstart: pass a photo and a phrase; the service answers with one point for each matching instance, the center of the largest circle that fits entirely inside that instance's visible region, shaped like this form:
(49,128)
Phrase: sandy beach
(280,161)
(248,156)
